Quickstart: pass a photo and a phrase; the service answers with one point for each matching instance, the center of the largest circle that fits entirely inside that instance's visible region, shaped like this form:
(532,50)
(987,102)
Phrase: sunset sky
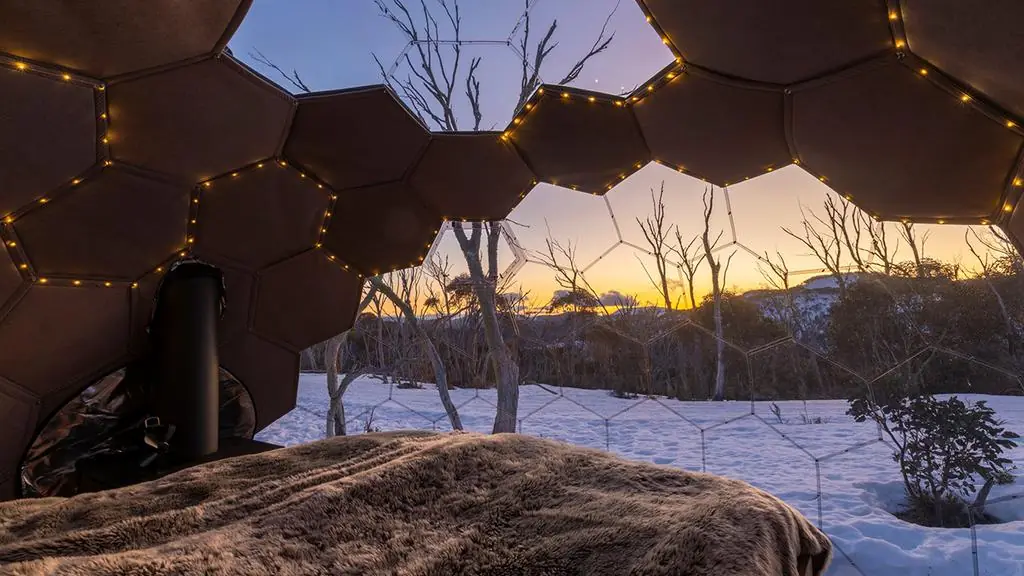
(331,43)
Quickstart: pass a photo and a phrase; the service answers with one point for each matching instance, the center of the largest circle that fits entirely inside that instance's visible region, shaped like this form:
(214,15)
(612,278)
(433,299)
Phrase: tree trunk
(506,370)
(336,409)
(720,344)
(440,375)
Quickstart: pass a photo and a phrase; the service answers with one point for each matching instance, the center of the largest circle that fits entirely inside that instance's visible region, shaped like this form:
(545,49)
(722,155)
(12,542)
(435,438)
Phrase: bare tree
(336,360)
(658,236)
(690,258)
(506,369)
(988,269)
(883,250)
(562,260)
(718,274)
(824,237)
(430,88)
(916,243)
(427,345)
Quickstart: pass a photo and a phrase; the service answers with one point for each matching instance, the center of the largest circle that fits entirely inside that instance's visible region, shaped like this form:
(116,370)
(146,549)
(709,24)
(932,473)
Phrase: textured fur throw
(416,503)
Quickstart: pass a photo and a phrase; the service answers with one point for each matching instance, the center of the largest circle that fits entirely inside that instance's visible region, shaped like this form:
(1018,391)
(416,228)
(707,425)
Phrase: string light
(565,94)
(76,181)
(923,71)
(260,165)
(206,184)
(1010,124)
(822,178)
(941,221)
(21,66)
(12,243)
(9,220)
(66,77)
(1007,207)
(191,240)
(43,200)
(103,116)
(540,91)
(77,282)
(43,280)
(1018,182)
(107,284)
(592,99)
(893,16)
(283,163)
(233,175)
(900,44)
(23,266)
(965,98)
(135,285)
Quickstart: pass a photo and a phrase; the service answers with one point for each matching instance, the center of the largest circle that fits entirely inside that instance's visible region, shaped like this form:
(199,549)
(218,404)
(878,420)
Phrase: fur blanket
(417,504)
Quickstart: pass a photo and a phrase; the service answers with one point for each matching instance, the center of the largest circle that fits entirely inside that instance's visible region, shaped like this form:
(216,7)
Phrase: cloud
(616,298)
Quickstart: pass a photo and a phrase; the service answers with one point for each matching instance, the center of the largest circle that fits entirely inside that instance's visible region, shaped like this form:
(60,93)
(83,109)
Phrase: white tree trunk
(506,369)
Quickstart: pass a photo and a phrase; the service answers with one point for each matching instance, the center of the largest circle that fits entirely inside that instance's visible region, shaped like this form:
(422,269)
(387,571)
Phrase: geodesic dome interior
(131,138)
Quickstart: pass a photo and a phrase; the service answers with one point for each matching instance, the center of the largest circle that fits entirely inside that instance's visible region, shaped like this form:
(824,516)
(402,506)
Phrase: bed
(417,504)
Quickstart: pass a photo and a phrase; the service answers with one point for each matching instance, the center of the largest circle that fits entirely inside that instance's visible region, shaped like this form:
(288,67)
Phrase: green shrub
(943,448)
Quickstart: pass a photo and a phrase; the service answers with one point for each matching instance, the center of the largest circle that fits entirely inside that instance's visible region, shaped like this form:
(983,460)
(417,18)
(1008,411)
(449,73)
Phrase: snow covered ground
(858,479)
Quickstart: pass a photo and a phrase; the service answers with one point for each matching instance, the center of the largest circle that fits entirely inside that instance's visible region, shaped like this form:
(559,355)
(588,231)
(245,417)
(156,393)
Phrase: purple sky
(332,43)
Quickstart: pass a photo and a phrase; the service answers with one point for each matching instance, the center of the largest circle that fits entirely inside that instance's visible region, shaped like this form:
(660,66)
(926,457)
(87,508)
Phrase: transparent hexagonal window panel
(685,368)
(565,420)
(560,243)
(633,55)
(748,450)
(361,34)
(647,429)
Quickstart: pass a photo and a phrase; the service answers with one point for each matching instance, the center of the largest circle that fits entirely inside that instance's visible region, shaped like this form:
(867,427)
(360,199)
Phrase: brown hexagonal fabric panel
(901,146)
(579,141)
(44,351)
(18,417)
(10,278)
(381,228)
(972,41)
(47,135)
(322,300)
(355,138)
(198,121)
(117,36)
(774,42)
(117,225)
(269,372)
(240,286)
(260,216)
(713,130)
(473,176)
